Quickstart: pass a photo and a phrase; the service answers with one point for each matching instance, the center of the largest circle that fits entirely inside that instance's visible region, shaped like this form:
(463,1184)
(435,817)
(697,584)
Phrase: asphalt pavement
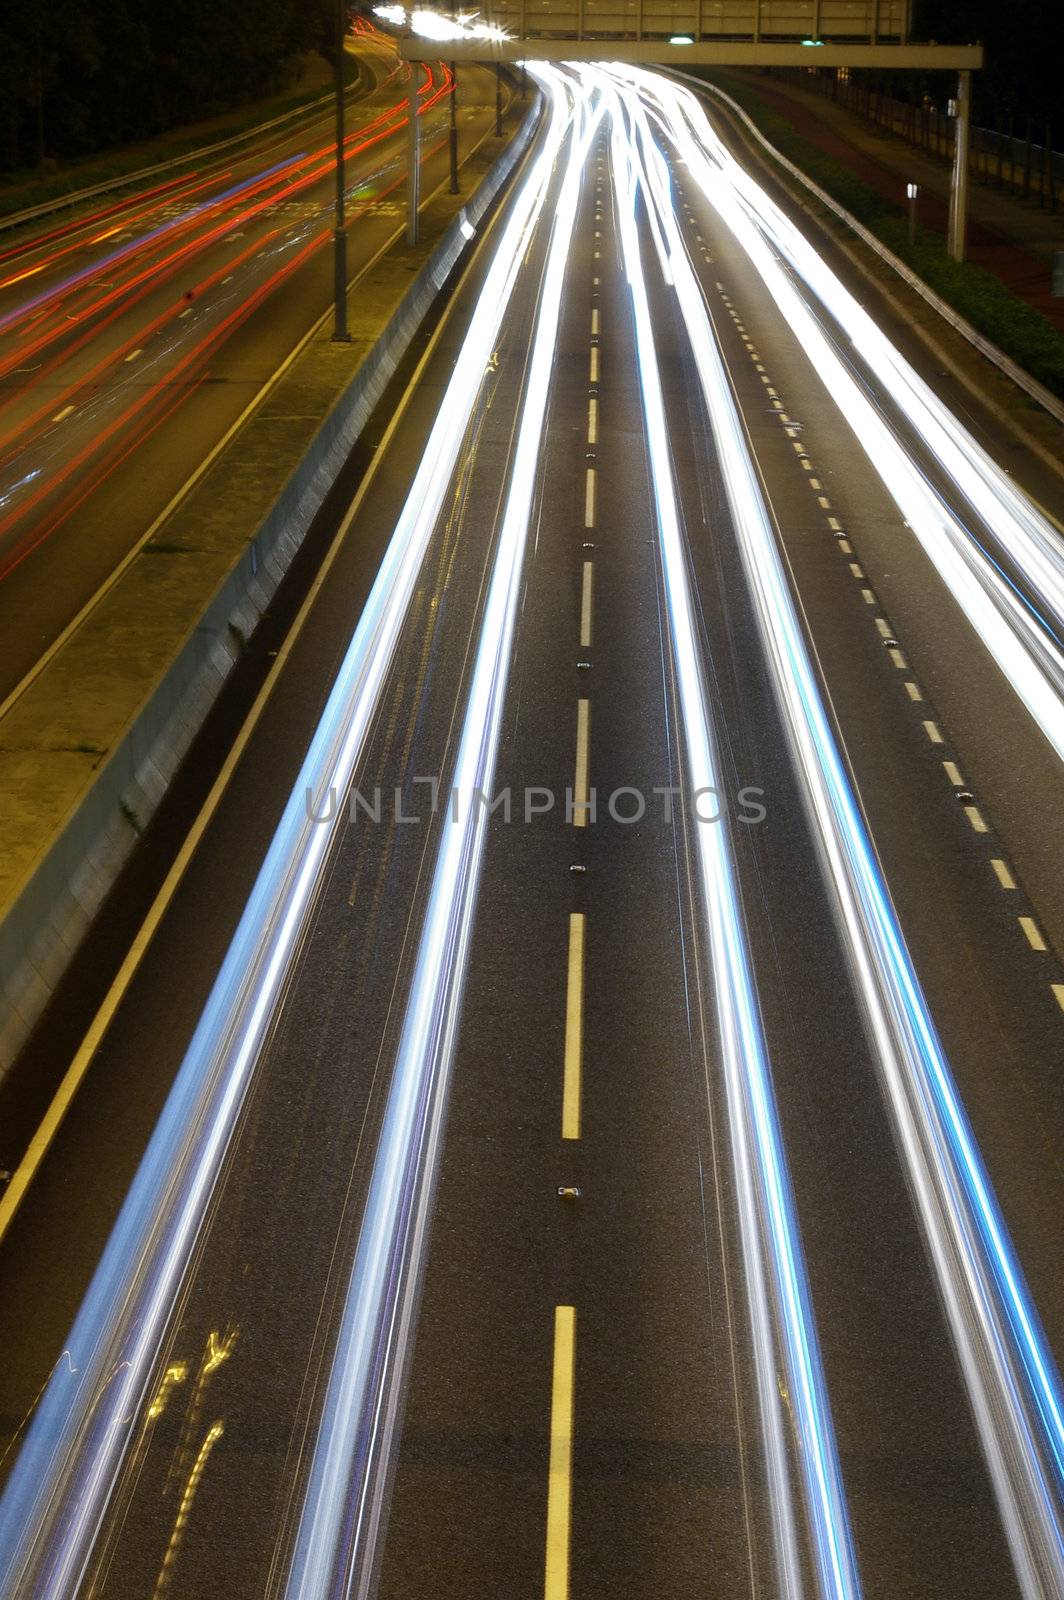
(584,1328)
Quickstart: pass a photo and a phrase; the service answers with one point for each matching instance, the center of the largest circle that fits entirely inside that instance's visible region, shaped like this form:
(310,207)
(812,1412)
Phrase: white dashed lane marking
(580,785)
(1004,876)
(1033,932)
(585,604)
(975,817)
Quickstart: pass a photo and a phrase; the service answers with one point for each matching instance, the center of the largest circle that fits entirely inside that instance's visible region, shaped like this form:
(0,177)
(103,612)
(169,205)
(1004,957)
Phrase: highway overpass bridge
(855,35)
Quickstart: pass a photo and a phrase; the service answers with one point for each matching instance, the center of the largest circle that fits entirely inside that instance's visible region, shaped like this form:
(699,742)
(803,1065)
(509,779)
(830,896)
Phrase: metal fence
(1024,163)
(766,21)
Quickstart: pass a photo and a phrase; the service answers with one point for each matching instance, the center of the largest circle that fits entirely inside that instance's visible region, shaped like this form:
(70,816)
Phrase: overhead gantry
(719,33)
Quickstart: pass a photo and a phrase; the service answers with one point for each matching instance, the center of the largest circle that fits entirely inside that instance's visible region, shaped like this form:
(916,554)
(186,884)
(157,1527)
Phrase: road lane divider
(586,585)
(581,792)
(573,1065)
(560,1464)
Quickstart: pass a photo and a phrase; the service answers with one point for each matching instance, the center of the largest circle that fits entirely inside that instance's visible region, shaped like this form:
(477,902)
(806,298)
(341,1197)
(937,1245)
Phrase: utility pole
(340,333)
(958,192)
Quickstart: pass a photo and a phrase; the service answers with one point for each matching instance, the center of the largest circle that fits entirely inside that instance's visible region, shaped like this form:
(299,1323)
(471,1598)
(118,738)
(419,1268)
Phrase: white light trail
(346,1499)
(1022,530)
(777,1288)
(61,1483)
(1027,646)
(1011,1379)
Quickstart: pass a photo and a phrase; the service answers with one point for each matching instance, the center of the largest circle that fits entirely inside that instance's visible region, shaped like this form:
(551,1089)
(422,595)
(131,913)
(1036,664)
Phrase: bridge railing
(783,21)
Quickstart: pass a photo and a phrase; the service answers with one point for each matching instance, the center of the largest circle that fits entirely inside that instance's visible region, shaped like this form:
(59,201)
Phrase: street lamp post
(960,110)
(340,333)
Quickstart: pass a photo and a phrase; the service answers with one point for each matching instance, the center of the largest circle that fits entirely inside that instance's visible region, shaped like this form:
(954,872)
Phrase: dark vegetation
(1022,83)
(79,76)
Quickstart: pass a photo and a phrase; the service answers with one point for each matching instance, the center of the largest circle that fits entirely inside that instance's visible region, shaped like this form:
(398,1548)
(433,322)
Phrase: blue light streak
(1011,1377)
(761,1169)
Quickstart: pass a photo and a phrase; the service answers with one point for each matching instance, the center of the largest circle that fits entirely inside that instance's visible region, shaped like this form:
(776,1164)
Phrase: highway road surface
(590,1121)
(136,332)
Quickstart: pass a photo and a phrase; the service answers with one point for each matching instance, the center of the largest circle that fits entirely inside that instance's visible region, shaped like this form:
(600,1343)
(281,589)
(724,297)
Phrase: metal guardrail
(1037,391)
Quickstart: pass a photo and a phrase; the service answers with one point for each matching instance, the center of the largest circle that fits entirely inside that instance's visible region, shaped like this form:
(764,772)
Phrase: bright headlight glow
(438,26)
